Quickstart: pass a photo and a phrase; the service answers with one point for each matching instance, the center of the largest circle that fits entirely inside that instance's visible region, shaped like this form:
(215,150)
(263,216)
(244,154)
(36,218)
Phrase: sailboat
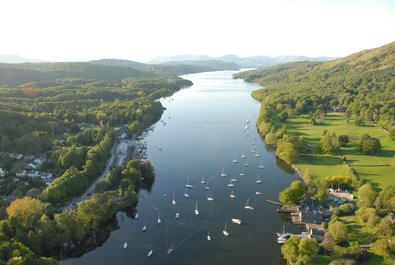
(159,220)
(242,174)
(203,181)
(223,174)
(257,155)
(232,195)
(149,254)
(144,228)
(177,215)
(208,236)
(236,221)
(246,164)
(258,193)
(244,155)
(207,188)
(231,184)
(196,210)
(233,179)
(248,206)
(209,197)
(283,236)
(174,200)
(136,216)
(125,245)
(235,160)
(188,185)
(261,166)
(225,231)
(258,180)
(186,195)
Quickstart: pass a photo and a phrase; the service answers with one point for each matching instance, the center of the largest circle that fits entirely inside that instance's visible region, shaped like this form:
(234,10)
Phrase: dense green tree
(368,145)
(337,230)
(366,195)
(286,150)
(294,193)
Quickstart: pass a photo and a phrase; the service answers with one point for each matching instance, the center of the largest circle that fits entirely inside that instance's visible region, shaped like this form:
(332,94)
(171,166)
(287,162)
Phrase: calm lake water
(201,132)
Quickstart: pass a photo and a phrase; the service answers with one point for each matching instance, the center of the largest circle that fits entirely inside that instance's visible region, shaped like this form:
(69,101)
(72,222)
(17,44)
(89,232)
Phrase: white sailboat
(188,185)
(159,220)
(223,174)
(246,164)
(136,216)
(231,184)
(244,155)
(234,179)
(248,206)
(258,180)
(257,155)
(261,166)
(186,195)
(203,181)
(174,200)
(125,245)
(196,210)
(283,236)
(144,228)
(177,215)
(242,174)
(235,160)
(209,197)
(232,195)
(207,188)
(236,221)
(225,231)
(149,254)
(258,193)
(208,236)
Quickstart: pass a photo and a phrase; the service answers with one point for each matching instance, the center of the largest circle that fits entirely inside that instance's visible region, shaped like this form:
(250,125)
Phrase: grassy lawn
(377,169)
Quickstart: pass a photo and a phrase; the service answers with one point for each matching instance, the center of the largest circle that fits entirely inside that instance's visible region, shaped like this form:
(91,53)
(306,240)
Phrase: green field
(377,169)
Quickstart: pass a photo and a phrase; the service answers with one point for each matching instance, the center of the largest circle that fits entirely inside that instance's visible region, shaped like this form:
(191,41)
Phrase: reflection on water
(204,128)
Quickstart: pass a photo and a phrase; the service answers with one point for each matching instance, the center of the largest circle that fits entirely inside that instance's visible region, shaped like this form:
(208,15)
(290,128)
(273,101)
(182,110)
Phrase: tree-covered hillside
(362,84)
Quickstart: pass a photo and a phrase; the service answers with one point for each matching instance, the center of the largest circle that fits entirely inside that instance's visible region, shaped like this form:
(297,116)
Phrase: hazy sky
(57,30)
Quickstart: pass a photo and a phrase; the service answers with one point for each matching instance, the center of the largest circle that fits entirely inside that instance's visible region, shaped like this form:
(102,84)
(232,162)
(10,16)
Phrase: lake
(203,129)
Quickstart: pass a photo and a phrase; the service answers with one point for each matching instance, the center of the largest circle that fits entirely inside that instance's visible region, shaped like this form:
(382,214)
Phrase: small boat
(207,188)
(159,148)
(174,200)
(203,181)
(136,216)
(232,195)
(244,155)
(188,185)
(248,206)
(210,198)
(186,195)
(223,174)
(196,210)
(258,193)
(261,166)
(225,231)
(236,221)
(234,179)
(235,160)
(177,215)
(231,184)
(208,236)
(258,180)
(241,174)
(150,253)
(144,228)
(257,155)
(283,236)
(159,220)
(246,164)
(125,245)
(281,240)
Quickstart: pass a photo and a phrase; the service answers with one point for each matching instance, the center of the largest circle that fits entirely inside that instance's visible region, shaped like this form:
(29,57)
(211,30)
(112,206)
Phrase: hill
(353,95)
(245,62)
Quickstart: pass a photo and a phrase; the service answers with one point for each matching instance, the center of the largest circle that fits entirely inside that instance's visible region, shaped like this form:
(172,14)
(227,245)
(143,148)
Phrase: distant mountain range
(14,58)
(246,62)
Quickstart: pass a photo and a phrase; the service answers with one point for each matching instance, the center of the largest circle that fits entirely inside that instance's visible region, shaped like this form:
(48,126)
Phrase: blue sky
(65,30)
